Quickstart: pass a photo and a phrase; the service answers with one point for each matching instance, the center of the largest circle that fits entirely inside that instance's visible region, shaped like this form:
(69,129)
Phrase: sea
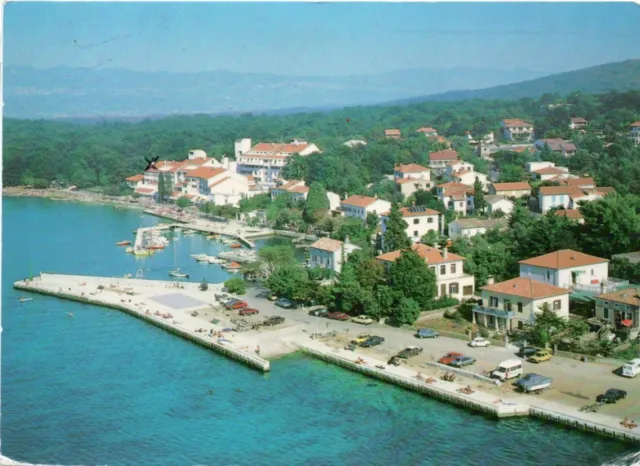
(103,387)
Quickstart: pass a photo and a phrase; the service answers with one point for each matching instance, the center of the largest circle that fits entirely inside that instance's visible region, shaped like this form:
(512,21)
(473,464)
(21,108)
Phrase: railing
(493,312)
(611,285)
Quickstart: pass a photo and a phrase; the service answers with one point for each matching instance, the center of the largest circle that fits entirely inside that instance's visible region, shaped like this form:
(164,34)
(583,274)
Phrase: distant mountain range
(620,76)
(65,92)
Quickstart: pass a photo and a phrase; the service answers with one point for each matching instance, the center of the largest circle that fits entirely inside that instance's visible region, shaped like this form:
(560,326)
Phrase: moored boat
(176,273)
(123,243)
(127,275)
(129,250)
(24,299)
(216,260)
(235,245)
(233,266)
(200,257)
(155,246)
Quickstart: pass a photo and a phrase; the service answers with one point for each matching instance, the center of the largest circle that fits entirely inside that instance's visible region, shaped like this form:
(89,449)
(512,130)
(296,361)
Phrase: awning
(627,323)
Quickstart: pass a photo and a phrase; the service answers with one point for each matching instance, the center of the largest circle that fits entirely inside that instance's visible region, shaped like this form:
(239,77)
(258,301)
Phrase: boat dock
(239,256)
(182,309)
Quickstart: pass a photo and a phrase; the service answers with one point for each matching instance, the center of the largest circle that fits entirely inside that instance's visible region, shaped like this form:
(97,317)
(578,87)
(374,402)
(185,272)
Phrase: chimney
(445,252)
(346,240)
(490,280)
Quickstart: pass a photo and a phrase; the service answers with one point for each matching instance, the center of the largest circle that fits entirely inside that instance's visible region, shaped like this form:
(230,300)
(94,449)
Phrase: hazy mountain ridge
(75,92)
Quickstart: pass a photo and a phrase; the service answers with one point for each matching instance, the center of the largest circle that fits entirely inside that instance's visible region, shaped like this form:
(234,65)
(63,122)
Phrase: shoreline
(291,337)
(71,196)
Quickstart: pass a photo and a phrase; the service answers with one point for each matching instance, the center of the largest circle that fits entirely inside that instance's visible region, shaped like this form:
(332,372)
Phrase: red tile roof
(410,168)
(579,182)
(563,259)
(145,190)
(428,129)
(299,189)
(573,214)
(406,212)
(447,154)
(327,244)
(430,254)
(515,186)
(276,148)
(578,120)
(392,132)
(515,123)
(625,296)
(525,287)
(550,171)
(637,123)
(205,172)
(453,185)
(555,190)
(135,178)
(359,201)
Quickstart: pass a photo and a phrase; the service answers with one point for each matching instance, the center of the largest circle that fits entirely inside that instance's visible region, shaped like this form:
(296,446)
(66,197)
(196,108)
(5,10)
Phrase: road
(575,383)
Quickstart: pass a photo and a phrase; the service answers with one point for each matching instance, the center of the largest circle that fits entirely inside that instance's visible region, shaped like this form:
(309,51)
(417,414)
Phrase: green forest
(38,152)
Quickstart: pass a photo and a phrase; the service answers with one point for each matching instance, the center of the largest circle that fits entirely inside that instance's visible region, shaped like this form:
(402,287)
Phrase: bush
(441,303)
(236,286)
(484,333)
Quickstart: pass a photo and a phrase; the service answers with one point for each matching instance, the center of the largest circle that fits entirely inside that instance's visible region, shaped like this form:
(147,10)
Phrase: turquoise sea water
(106,388)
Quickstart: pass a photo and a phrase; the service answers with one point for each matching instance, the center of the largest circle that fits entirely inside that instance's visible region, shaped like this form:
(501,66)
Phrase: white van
(631,368)
(508,369)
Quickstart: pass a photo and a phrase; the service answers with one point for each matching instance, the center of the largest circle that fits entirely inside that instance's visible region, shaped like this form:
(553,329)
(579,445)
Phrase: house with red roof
(634,132)
(457,197)
(447,267)
(410,177)
(265,160)
(359,206)
(427,131)
(577,123)
(517,129)
(568,197)
(327,253)
(392,133)
(557,145)
(296,188)
(419,221)
(515,189)
(438,160)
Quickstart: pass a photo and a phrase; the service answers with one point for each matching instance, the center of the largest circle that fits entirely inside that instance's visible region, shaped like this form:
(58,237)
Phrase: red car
(338,316)
(447,358)
(248,311)
(236,304)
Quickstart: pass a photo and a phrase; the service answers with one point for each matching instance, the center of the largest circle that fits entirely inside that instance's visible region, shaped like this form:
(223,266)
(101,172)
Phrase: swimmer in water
(70,314)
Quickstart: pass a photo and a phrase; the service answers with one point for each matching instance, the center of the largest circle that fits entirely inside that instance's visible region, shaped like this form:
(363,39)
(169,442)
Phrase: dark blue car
(285,303)
(427,333)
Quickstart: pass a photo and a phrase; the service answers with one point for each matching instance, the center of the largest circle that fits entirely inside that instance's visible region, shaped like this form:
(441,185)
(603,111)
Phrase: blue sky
(320,39)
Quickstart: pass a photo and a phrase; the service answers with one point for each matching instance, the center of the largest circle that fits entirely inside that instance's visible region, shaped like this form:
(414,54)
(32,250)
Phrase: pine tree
(478,196)
(395,235)
(316,205)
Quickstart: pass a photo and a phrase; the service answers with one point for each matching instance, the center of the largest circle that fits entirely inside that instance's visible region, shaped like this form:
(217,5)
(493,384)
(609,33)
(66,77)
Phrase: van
(508,369)
(631,368)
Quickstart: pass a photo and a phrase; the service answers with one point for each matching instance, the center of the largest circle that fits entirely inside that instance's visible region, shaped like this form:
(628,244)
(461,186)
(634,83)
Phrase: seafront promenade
(184,310)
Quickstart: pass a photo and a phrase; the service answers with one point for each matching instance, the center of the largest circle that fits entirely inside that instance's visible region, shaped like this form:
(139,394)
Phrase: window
(453,268)
(467,290)
(430,220)
(507,305)
(493,301)
(519,307)
(557,304)
(592,272)
(415,233)
(548,275)
(433,268)
(606,313)
(520,325)
(416,221)
(453,288)
(443,269)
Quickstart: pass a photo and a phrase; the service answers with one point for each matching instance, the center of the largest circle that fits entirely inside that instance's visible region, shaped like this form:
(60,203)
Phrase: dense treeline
(39,152)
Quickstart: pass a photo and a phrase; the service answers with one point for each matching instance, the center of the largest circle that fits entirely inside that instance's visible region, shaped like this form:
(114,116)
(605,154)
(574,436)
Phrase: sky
(320,39)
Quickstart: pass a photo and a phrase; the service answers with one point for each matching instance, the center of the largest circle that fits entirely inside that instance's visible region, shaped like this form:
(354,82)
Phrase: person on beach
(625,422)
(258,350)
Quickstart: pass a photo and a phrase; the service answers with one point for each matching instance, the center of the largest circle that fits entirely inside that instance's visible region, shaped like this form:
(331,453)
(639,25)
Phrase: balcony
(608,286)
(493,312)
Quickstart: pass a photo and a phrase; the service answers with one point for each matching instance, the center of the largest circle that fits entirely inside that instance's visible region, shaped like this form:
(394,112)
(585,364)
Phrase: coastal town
(429,318)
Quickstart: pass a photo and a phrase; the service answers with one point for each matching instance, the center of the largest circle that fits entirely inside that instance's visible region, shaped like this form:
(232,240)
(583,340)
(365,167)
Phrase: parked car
(611,396)
(235,304)
(361,338)
(273,320)
(285,303)
(409,352)
(533,383)
(365,320)
(508,370)
(395,361)
(338,316)
(631,368)
(372,341)
(272,297)
(322,312)
(478,342)
(447,358)
(248,311)
(527,351)
(427,333)
(540,356)
(462,361)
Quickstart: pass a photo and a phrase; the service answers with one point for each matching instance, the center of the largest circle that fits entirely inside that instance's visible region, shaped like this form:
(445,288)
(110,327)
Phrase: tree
(411,276)
(546,324)
(406,311)
(236,286)
(316,205)
(183,202)
(395,235)
(204,286)
(164,191)
(478,196)
(274,257)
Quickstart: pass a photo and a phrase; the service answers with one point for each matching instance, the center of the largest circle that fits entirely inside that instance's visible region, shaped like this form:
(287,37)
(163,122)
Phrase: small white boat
(176,273)
(189,232)
(216,260)
(24,300)
(127,275)
(200,257)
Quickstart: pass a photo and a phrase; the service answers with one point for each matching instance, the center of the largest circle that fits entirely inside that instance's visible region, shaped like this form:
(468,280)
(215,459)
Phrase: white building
(327,253)
(577,123)
(419,219)
(457,197)
(634,132)
(548,173)
(355,143)
(566,268)
(217,185)
(412,177)
(531,167)
(516,129)
(265,160)
(448,268)
(568,197)
(438,160)
(468,227)
(359,206)
(621,308)
(515,189)
(486,139)
(498,203)
(457,166)
(134,181)
(298,190)
(514,303)
(469,177)
(427,131)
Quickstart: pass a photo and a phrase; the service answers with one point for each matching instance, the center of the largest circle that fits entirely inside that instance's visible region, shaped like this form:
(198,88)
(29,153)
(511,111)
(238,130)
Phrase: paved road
(575,383)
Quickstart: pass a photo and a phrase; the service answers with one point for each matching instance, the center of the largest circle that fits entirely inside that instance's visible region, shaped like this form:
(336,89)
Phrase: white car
(478,342)
(366,320)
